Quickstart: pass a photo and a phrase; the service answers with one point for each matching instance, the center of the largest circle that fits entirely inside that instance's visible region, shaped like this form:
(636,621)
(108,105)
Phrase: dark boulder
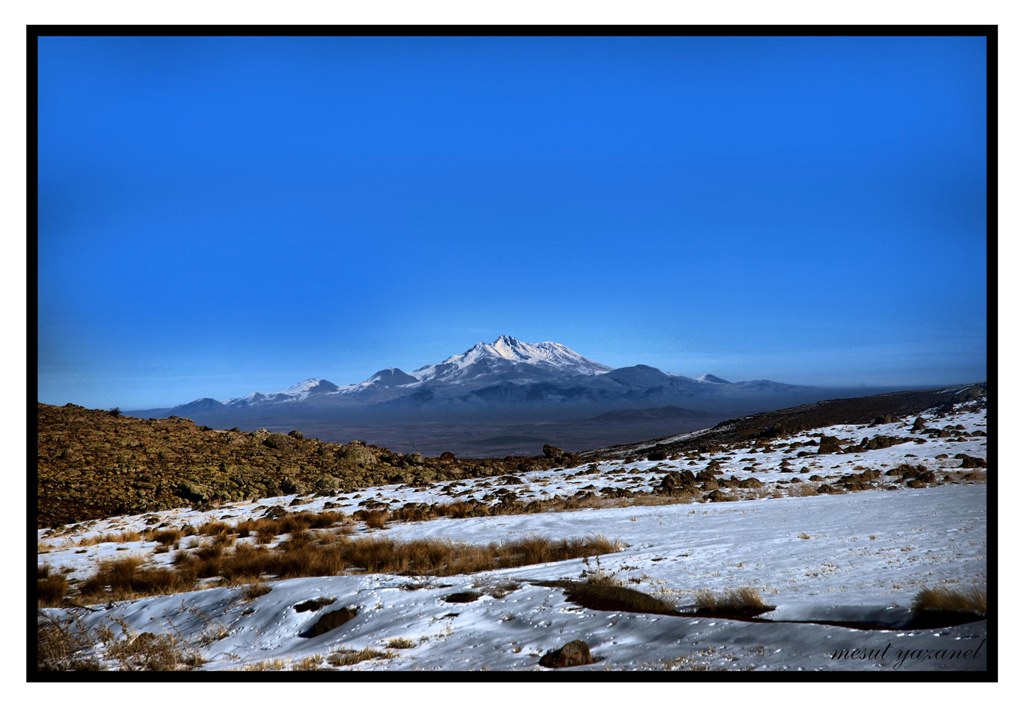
(575,653)
(553,453)
(829,445)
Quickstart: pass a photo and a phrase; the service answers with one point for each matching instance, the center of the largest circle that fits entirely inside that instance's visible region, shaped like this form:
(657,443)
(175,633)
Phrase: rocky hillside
(883,408)
(94,464)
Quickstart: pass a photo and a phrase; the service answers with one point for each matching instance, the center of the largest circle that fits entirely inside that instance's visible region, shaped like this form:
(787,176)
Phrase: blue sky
(223,215)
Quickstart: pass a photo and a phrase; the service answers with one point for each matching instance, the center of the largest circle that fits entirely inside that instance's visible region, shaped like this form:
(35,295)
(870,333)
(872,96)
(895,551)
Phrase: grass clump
(254,590)
(150,652)
(974,600)
(375,519)
(126,578)
(62,645)
(309,555)
(67,645)
(266,665)
(400,643)
(309,663)
(742,602)
(51,587)
(349,657)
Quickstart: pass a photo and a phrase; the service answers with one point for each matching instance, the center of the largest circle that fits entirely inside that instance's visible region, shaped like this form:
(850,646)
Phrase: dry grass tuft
(126,578)
(743,602)
(308,555)
(400,643)
(165,536)
(266,665)
(67,645)
(376,519)
(309,663)
(268,528)
(251,592)
(974,600)
(51,587)
(119,537)
(151,652)
(598,576)
(62,645)
(348,657)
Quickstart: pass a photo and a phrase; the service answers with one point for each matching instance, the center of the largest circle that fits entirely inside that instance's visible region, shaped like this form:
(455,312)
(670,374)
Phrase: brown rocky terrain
(94,464)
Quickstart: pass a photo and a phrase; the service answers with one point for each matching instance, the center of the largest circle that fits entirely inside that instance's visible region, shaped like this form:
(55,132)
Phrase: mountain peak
(711,378)
(506,355)
(304,388)
(389,377)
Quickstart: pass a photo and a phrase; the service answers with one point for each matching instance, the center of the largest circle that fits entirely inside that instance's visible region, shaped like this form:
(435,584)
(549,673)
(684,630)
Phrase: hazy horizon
(223,215)
(274,383)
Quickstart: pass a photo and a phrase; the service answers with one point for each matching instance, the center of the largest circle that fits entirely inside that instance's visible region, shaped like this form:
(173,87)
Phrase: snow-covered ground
(854,557)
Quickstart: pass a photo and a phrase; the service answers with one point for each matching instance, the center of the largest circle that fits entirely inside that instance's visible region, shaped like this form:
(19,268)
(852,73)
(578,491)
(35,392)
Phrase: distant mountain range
(505,374)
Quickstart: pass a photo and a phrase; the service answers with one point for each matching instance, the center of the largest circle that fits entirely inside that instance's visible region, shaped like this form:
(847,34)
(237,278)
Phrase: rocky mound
(93,464)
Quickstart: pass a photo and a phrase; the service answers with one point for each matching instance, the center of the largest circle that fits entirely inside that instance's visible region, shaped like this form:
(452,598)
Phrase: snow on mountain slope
(711,378)
(508,353)
(298,392)
(310,386)
(505,372)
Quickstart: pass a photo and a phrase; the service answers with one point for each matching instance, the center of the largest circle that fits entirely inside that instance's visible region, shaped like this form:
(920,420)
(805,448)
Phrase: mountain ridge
(493,386)
(526,373)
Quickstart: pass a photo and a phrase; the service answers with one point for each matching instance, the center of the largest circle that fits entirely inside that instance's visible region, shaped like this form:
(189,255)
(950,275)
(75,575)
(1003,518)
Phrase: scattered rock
(676,483)
(553,453)
(575,653)
(829,445)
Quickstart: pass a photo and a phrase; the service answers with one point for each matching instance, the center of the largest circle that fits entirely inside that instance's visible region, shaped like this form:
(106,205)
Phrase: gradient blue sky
(223,215)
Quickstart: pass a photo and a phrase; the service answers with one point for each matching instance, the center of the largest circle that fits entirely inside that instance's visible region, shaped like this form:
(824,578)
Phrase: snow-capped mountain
(310,387)
(505,373)
(507,356)
(711,378)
